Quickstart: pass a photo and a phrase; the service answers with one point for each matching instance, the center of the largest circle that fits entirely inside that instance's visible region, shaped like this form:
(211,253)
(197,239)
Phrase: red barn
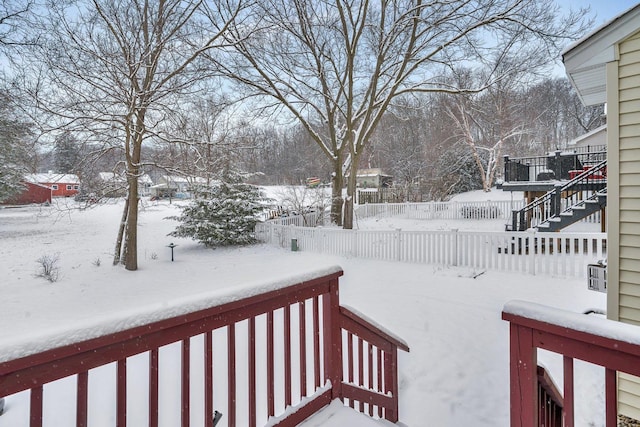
(32,193)
(61,184)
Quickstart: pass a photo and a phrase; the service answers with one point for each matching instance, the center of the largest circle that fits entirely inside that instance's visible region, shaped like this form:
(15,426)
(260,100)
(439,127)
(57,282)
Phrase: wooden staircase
(581,210)
(567,203)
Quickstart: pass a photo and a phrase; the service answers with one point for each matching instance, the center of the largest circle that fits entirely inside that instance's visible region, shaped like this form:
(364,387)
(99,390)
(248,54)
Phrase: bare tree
(115,69)
(197,139)
(341,63)
(12,13)
(486,121)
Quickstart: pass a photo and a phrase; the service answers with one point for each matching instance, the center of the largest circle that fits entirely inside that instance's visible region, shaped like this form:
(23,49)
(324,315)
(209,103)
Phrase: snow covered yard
(457,370)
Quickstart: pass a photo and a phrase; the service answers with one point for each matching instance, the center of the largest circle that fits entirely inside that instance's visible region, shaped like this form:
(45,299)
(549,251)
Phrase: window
(69,187)
(75,187)
(54,186)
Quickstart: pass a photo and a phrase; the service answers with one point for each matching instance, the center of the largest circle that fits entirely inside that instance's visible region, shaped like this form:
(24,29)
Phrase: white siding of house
(624,191)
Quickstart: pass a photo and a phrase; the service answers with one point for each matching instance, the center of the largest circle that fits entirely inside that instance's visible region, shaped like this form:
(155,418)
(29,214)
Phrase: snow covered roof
(110,176)
(578,140)
(52,178)
(114,177)
(370,172)
(177,179)
(585,61)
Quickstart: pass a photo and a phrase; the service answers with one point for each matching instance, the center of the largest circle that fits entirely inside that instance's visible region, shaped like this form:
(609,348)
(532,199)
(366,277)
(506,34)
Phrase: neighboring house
(605,67)
(32,193)
(593,139)
(115,185)
(373,178)
(176,186)
(61,184)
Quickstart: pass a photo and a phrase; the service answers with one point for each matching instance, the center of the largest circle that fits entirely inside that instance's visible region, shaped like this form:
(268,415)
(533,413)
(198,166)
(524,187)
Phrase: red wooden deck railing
(612,345)
(550,401)
(285,355)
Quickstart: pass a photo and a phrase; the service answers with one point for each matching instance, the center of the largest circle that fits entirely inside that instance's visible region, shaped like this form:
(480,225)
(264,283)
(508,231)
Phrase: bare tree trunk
(351,192)
(336,194)
(123,222)
(131,236)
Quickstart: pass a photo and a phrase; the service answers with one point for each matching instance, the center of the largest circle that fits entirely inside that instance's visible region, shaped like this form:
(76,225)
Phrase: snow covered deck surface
(338,415)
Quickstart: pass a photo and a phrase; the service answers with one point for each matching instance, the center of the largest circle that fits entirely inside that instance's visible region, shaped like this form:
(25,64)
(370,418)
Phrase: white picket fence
(496,209)
(557,254)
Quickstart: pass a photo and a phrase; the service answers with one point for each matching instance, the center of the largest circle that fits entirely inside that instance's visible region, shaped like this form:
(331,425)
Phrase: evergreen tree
(14,154)
(223,214)
(67,153)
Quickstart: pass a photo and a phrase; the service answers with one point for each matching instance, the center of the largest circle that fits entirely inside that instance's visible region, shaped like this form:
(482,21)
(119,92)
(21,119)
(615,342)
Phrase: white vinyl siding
(629,174)
(628,238)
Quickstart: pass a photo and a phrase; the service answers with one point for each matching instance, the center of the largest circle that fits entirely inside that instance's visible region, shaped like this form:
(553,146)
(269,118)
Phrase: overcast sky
(603,10)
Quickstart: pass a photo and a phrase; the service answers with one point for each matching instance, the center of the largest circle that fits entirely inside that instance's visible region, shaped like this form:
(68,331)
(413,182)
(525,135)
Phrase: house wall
(33,193)
(623,93)
(62,190)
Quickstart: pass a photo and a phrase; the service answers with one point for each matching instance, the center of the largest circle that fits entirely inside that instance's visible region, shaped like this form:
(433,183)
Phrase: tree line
(195,86)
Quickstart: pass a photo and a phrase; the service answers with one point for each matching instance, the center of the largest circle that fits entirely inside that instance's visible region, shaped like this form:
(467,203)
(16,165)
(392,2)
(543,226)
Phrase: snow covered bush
(49,268)
(222,214)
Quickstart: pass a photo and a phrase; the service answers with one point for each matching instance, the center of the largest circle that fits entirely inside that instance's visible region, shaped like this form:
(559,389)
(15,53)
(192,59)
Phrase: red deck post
(370,370)
(252,372)
(303,349)
(186,363)
(231,355)
(569,419)
(611,397)
(350,362)
(121,399)
(287,356)
(208,379)
(380,373)
(316,341)
(81,399)
(270,367)
(523,367)
(153,388)
(361,369)
(391,382)
(36,407)
(332,334)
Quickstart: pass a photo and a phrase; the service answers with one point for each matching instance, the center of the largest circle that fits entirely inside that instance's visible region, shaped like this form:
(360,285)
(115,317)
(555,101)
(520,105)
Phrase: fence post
(455,247)
(399,244)
(533,248)
(332,339)
(354,243)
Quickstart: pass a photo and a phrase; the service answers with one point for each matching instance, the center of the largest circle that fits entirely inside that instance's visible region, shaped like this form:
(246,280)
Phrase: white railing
(310,219)
(496,209)
(560,254)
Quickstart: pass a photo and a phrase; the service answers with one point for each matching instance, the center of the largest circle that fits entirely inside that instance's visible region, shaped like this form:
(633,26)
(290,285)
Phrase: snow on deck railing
(254,354)
(558,254)
(610,344)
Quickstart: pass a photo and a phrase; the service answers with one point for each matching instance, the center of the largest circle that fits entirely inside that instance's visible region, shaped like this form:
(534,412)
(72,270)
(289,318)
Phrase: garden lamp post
(171,245)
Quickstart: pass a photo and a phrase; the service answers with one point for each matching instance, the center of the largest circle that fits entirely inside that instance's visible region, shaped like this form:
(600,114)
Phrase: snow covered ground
(456,373)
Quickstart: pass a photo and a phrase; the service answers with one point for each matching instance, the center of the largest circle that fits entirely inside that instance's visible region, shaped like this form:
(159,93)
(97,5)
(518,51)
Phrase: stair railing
(551,204)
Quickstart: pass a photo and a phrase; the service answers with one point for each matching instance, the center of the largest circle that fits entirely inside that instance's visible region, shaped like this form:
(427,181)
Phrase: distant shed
(373,178)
